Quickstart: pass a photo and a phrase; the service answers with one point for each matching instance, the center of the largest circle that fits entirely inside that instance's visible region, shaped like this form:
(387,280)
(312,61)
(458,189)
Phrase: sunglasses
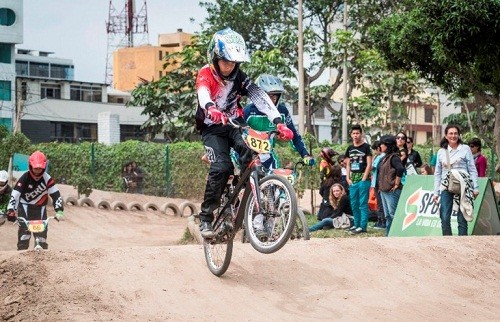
(400,137)
(409,142)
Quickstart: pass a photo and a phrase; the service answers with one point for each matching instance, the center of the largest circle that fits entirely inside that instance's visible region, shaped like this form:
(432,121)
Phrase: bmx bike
(35,226)
(245,196)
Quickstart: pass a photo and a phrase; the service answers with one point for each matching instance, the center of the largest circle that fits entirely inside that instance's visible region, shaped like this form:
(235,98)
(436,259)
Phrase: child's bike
(247,196)
(35,226)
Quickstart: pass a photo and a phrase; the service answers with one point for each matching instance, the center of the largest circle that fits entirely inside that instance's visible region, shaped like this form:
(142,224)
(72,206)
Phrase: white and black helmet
(271,84)
(4,177)
(227,45)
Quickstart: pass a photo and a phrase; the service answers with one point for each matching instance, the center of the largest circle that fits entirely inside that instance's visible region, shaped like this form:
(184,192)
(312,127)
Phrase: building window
(50,91)
(86,93)
(39,70)
(160,55)
(5,94)
(160,74)
(320,113)
(60,71)
(5,54)
(7,17)
(22,68)
(429,113)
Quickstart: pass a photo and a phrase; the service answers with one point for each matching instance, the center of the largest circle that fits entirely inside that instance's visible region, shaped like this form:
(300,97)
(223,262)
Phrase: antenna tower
(122,28)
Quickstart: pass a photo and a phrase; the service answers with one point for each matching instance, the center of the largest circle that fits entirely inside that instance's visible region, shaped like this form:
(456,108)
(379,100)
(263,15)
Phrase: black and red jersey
(35,192)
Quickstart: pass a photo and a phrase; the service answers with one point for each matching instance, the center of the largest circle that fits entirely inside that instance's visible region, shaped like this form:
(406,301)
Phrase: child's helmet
(328,154)
(228,45)
(271,84)
(37,160)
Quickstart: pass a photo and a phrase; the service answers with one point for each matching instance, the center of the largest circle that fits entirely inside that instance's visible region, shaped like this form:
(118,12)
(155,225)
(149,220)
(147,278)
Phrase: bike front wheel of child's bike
(218,255)
(279,207)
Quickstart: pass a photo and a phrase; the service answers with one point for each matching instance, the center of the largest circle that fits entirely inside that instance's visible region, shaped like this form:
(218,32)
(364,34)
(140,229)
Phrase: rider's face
(226,67)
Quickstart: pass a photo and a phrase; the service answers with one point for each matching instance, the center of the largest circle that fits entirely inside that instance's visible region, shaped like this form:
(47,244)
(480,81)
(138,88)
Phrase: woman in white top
(460,158)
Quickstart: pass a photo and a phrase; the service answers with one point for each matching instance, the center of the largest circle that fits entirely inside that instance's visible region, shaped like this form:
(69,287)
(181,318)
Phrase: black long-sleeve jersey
(32,192)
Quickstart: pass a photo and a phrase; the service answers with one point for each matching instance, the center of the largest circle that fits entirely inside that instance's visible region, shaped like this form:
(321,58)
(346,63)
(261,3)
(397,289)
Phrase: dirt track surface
(127,266)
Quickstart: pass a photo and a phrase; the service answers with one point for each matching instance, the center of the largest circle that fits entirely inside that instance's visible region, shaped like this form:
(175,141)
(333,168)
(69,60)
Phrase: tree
(451,43)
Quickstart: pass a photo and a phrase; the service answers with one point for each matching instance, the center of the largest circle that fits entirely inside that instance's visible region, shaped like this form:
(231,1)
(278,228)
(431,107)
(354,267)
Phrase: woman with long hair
(338,203)
(455,159)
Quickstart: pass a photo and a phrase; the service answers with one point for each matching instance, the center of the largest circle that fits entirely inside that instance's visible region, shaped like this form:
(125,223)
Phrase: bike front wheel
(218,255)
(278,211)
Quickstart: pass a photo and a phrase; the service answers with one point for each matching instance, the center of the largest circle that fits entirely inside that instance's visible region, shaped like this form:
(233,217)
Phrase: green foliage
(10,144)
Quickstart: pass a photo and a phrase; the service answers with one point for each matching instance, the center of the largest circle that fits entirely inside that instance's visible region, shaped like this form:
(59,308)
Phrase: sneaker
(378,226)
(353,228)
(261,233)
(206,229)
(358,231)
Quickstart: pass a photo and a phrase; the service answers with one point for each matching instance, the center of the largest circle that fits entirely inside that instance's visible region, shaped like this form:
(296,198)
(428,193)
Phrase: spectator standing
(138,177)
(455,158)
(479,159)
(129,184)
(339,204)
(414,158)
(358,166)
(378,156)
(401,139)
(390,172)
(326,161)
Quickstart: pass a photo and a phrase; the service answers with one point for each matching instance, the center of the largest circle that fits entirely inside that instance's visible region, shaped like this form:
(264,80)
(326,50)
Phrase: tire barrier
(118,205)
(103,204)
(85,201)
(71,201)
(170,209)
(150,206)
(135,206)
(188,205)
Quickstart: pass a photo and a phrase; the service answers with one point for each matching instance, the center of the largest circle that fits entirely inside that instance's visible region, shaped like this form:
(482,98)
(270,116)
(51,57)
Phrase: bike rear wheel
(279,207)
(301,230)
(218,255)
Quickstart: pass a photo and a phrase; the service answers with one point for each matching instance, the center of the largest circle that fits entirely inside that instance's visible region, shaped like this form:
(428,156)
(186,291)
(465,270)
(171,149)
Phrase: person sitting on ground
(479,159)
(339,204)
(333,177)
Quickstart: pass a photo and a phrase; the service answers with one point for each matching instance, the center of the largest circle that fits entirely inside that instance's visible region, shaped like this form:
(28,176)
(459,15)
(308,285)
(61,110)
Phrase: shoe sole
(207,234)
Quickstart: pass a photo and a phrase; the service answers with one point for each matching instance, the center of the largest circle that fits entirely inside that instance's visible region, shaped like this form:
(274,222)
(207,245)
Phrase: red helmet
(328,154)
(37,160)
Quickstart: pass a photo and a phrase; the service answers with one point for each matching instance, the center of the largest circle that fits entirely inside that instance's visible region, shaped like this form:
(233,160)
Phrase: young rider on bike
(257,120)
(219,86)
(29,198)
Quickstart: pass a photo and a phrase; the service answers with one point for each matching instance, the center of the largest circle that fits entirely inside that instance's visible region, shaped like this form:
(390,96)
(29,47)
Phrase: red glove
(11,216)
(214,114)
(285,133)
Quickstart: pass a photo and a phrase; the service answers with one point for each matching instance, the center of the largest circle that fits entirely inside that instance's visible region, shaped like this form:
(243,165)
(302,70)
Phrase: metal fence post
(92,162)
(167,171)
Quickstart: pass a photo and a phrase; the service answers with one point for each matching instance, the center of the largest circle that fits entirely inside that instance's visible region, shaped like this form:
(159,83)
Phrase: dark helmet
(37,160)
(328,154)
(228,45)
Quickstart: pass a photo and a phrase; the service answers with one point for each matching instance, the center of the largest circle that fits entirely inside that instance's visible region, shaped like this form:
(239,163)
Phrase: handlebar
(26,221)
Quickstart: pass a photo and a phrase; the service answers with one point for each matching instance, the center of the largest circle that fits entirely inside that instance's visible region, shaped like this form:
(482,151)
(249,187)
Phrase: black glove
(11,216)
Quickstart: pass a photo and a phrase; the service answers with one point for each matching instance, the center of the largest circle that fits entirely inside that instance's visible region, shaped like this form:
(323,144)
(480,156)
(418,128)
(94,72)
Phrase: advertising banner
(418,215)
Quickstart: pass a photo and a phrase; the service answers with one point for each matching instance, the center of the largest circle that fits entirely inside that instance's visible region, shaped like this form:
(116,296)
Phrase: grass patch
(187,238)
(342,233)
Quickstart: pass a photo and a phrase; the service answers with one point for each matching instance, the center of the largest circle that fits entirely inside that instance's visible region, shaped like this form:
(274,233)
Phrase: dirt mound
(128,266)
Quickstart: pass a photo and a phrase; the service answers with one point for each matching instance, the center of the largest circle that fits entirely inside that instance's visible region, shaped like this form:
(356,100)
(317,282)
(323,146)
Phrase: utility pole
(301,71)
(345,81)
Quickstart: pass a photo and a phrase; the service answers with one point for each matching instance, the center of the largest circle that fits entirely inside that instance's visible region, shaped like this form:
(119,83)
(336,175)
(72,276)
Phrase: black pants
(218,140)
(31,212)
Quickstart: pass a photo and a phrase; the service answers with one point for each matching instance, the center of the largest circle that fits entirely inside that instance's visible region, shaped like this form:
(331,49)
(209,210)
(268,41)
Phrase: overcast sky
(76,29)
